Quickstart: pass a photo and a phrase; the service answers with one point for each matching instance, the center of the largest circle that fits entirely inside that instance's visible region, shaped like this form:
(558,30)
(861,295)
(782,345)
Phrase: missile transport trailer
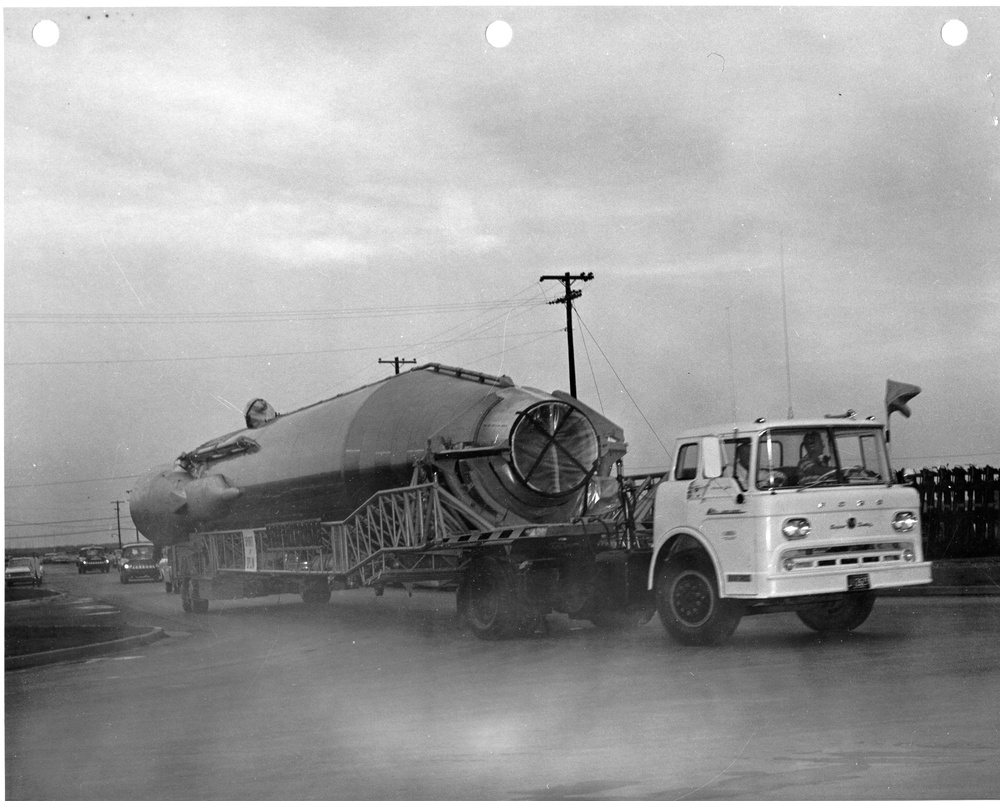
(516,498)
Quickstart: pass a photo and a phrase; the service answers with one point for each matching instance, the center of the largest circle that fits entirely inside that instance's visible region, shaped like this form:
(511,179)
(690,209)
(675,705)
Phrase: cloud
(303,253)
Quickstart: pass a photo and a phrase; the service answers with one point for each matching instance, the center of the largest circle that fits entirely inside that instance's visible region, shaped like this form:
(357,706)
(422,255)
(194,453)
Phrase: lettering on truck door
(718,508)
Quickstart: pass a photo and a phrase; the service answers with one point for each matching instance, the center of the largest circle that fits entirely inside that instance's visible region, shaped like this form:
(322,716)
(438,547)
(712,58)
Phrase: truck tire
(688,602)
(487,602)
(845,613)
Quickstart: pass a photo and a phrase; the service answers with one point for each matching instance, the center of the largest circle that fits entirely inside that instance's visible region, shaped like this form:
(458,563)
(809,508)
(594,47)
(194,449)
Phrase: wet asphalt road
(384,698)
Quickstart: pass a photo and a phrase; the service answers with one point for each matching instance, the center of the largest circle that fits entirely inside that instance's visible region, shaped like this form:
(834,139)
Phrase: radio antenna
(784,314)
(732,371)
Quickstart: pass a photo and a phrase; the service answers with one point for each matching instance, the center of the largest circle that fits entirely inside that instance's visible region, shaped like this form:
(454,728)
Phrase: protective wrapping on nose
(554,448)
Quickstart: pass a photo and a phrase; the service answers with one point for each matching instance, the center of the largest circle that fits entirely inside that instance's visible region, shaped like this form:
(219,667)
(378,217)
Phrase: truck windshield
(810,457)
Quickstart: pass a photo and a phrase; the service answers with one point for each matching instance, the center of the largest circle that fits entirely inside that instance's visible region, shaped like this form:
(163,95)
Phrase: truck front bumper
(818,582)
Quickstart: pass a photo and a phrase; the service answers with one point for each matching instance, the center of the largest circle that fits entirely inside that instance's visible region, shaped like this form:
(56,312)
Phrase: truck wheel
(487,602)
(845,613)
(687,599)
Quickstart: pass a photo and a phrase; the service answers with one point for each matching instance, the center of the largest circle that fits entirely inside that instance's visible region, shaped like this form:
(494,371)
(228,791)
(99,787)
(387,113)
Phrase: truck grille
(874,553)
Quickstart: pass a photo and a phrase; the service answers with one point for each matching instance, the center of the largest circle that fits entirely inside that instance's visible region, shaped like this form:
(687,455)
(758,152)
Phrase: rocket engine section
(514,454)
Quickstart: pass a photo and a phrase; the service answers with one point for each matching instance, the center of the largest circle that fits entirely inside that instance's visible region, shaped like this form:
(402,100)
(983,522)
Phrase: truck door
(718,507)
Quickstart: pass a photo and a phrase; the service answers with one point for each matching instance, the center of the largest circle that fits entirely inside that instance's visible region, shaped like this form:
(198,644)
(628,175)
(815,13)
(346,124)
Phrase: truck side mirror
(711,455)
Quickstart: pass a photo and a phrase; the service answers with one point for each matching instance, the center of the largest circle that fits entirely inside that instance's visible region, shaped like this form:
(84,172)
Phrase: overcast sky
(207,206)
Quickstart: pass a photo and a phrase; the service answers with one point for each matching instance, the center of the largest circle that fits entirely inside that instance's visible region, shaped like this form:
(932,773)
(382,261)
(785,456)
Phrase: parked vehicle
(23,570)
(138,562)
(518,500)
(93,559)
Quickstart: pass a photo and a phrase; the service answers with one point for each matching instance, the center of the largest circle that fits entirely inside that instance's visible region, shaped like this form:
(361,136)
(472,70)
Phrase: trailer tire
(487,601)
(688,602)
(845,613)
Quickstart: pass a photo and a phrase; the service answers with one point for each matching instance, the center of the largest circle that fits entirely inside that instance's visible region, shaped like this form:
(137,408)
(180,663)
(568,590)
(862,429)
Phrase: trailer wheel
(487,602)
(845,613)
(687,599)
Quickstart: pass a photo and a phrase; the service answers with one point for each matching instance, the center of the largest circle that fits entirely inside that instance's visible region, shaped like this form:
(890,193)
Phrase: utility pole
(118,506)
(397,361)
(568,298)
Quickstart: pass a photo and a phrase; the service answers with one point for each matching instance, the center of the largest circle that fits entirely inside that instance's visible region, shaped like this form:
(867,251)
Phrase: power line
(110,533)
(613,370)
(78,481)
(59,522)
(231,357)
(187,318)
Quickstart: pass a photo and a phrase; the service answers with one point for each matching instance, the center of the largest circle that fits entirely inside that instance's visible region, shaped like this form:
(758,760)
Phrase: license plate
(859,581)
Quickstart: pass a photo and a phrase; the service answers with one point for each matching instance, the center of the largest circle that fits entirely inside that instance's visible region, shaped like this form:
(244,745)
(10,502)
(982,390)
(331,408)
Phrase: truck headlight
(796,528)
(904,521)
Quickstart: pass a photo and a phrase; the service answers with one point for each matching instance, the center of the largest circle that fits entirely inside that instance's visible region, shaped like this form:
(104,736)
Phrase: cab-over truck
(518,500)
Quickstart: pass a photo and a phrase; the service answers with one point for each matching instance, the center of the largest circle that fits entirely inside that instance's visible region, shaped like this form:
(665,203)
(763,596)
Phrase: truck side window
(687,462)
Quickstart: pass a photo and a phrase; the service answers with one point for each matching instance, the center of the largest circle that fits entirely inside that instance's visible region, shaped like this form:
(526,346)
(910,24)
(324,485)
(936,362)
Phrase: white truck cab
(800,515)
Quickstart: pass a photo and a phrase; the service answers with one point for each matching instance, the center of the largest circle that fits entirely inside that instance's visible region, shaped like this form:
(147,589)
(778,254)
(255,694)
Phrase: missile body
(514,454)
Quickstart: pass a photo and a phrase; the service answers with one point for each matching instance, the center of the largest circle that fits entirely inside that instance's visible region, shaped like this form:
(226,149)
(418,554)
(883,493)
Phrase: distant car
(23,570)
(137,562)
(91,559)
(50,558)
(63,559)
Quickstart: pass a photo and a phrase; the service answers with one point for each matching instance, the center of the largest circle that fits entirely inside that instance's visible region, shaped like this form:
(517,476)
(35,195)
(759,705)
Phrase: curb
(45,599)
(82,651)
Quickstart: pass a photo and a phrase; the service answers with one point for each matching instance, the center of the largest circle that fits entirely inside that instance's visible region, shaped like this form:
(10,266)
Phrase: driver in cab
(815,462)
